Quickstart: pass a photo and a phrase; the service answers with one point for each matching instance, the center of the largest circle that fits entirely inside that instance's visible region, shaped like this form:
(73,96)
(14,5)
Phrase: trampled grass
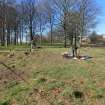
(46,78)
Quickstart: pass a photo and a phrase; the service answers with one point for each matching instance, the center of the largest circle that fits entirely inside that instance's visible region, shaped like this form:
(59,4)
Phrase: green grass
(15,47)
(47,70)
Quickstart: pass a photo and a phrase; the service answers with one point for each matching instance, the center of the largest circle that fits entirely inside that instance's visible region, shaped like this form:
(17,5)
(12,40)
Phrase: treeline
(55,20)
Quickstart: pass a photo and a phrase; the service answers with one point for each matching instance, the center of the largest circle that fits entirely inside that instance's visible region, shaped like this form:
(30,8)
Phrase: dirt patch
(7,76)
(86,57)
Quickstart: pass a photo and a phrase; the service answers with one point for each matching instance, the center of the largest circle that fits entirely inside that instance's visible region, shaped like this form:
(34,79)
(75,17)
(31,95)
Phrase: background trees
(9,21)
(62,20)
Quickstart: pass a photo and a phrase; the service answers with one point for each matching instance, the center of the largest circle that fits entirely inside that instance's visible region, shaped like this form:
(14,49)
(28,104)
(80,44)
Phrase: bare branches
(34,17)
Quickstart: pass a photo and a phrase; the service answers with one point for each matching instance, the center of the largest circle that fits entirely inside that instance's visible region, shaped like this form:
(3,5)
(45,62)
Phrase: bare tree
(42,19)
(64,7)
(88,11)
(29,8)
(51,15)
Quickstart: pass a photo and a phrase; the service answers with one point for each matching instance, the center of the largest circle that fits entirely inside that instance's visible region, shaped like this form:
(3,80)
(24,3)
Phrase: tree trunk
(51,32)
(8,36)
(20,34)
(65,35)
(40,37)
(65,29)
(65,41)
(31,35)
(40,33)
(16,37)
(3,35)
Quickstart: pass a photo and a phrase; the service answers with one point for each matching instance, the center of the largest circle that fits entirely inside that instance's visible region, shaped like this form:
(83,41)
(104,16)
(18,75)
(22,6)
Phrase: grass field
(46,78)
